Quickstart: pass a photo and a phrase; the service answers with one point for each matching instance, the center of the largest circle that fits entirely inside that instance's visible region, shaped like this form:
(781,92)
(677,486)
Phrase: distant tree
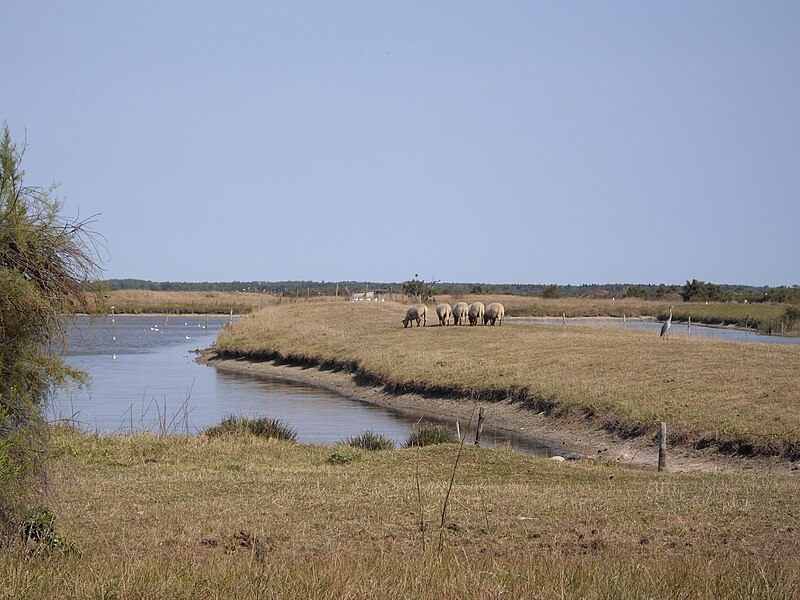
(46,264)
(477,289)
(423,292)
(636,291)
(551,291)
(783,294)
(700,291)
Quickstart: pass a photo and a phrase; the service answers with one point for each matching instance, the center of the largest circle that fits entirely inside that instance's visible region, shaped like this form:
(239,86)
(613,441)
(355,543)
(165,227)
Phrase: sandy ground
(562,437)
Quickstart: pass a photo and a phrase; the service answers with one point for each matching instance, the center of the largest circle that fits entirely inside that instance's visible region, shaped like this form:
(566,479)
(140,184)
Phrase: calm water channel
(144,377)
(698,331)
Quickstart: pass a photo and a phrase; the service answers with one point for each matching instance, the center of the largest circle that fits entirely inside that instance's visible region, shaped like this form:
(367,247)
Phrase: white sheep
(494,312)
(444,312)
(475,312)
(418,312)
(460,312)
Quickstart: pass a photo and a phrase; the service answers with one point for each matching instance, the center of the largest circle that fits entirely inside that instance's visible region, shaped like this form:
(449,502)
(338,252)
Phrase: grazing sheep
(494,312)
(475,312)
(444,312)
(460,312)
(418,312)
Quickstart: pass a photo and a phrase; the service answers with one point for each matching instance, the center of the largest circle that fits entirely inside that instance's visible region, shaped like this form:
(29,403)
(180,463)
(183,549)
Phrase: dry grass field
(149,302)
(736,396)
(761,316)
(195,517)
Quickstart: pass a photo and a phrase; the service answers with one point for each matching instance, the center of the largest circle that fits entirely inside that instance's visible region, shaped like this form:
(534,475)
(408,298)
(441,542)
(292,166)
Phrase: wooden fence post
(662,447)
(479,430)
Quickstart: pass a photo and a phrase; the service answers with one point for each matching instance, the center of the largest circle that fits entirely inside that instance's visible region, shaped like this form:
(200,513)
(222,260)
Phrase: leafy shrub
(260,426)
(340,458)
(427,434)
(369,440)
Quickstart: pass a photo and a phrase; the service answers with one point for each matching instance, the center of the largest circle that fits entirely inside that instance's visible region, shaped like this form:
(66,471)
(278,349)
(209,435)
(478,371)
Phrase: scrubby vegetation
(257,426)
(426,434)
(46,263)
(369,440)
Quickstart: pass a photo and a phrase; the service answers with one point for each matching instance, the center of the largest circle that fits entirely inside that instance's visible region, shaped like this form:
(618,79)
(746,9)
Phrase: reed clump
(426,434)
(258,426)
(369,440)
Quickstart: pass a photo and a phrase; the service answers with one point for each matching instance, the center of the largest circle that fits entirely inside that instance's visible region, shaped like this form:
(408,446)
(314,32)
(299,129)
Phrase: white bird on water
(665,327)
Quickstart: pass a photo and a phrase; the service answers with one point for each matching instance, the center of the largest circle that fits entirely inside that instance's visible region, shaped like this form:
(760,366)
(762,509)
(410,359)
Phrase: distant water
(698,331)
(144,377)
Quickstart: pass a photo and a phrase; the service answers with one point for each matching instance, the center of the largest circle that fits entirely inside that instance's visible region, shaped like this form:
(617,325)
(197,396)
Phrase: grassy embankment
(732,396)
(195,517)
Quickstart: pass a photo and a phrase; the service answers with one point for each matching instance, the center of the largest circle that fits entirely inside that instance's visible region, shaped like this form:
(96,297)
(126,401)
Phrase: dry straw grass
(247,517)
(146,301)
(710,392)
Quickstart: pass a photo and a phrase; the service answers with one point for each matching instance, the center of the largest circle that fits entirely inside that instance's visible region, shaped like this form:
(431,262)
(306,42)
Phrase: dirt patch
(592,439)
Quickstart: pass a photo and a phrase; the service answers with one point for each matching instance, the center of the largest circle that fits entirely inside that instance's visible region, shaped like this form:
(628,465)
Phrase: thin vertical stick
(662,447)
(421,510)
(563,318)
(450,487)
(479,431)
(458,430)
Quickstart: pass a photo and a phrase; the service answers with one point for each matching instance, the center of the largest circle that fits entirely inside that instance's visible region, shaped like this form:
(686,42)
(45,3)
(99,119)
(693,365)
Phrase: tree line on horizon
(692,291)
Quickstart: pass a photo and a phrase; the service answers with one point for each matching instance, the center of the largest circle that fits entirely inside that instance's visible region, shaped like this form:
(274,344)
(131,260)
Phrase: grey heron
(665,327)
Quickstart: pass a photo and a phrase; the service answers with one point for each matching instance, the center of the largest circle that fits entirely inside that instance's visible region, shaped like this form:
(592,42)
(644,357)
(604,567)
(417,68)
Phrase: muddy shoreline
(563,434)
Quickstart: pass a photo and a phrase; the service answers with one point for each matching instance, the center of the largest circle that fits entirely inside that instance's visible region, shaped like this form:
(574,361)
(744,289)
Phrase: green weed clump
(259,426)
(369,440)
(427,434)
(39,531)
(340,458)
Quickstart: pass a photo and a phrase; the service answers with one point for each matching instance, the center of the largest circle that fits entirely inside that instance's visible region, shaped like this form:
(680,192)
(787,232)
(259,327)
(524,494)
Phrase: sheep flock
(459,314)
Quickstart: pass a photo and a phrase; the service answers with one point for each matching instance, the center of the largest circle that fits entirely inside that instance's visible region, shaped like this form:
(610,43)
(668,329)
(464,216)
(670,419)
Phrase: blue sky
(511,142)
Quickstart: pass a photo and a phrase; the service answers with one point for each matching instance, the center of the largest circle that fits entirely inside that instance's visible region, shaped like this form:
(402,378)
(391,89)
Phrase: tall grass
(426,434)
(710,392)
(258,426)
(240,516)
(369,440)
